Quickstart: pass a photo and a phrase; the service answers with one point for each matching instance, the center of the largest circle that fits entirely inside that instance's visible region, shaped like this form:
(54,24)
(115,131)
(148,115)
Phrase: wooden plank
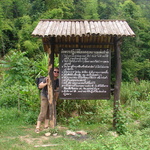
(51,31)
(60,29)
(97,29)
(73,27)
(69,40)
(82,41)
(48,145)
(77,41)
(64,31)
(63,41)
(124,29)
(56,29)
(73,41)
(69,28)
(48,29)
(105,30)
(94,41)
(129,29)
(38,27)
(82,29)
(56,46)
(114,28)
(119,28)
(111,28)
(102,40)
(97,40)
(100,28)
(92,27)
(112,41)
(52,102)
(45,42)
(105,41)
(58,41)
(44,28)
(87,27)
(77,26)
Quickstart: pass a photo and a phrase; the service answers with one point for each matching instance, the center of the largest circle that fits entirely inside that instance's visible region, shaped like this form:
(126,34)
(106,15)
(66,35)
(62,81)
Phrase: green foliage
(41,65)
(19,18)
(131,10)
(105,7)
(93,116)
(130,70)
(17,67)
(28,96)
(134,91)
(37,8)
(90,10)
(30,117)
(121,121)
(56,13)
(58,9)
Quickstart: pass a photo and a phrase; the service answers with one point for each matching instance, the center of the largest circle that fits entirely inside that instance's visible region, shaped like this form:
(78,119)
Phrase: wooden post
(117,86)
(52,104)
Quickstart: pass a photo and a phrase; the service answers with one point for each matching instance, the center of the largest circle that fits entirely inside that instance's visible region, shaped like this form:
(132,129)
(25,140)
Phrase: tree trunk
(117,86)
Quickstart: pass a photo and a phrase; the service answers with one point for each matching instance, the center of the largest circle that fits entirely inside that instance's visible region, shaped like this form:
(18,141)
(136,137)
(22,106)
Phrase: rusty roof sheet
(55,28)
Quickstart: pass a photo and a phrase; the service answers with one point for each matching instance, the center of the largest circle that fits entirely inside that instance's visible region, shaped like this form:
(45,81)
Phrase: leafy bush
(28,97)
(133,91)
(30,117)
(121,123)
(17,68)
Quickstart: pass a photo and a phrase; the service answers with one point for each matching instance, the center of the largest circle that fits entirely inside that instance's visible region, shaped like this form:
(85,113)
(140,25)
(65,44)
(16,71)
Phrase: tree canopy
(19,18)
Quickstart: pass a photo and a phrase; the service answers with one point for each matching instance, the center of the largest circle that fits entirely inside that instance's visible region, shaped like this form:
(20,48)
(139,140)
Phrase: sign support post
(118,75)
(51,99)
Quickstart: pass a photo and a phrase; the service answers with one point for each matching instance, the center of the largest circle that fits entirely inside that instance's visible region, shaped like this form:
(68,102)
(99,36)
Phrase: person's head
(56,72)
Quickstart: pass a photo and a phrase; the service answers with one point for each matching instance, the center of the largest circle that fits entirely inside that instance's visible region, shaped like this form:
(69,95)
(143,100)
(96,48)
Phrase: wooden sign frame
(85,73)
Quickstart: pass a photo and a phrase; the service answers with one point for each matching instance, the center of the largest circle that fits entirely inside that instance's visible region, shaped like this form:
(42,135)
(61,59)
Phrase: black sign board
(84,73)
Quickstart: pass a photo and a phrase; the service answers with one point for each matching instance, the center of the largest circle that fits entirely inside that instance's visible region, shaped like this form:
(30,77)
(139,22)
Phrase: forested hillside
(19,18)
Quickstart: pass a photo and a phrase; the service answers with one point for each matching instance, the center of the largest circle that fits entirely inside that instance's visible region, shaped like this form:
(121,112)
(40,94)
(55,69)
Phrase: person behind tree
(44,110)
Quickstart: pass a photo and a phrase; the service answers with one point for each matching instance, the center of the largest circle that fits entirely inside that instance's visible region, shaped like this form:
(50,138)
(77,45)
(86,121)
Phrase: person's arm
(43,84)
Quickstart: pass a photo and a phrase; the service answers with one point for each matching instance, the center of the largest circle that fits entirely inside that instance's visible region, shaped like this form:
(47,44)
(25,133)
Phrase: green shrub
(30,117)
(121,121)
(131,91)
(28,97)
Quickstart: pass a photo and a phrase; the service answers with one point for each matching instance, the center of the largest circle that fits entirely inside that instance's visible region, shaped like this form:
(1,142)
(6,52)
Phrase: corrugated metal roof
(55,28)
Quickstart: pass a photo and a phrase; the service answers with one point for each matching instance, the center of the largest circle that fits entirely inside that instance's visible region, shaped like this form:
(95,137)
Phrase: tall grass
(132,92)
(93,116)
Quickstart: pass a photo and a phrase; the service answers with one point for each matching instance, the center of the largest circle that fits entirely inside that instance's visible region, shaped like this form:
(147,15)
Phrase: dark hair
(56,68)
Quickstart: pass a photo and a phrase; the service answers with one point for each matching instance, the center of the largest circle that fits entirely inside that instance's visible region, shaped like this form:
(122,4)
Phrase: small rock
(55,134)
(68,132)
(81,132)
(47,134)
(114,134)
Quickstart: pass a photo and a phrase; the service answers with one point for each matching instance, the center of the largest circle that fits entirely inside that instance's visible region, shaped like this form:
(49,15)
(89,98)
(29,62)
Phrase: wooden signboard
(85,73)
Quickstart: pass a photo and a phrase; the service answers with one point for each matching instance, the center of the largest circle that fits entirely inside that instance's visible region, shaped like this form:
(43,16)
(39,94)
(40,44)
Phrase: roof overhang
(65,28)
